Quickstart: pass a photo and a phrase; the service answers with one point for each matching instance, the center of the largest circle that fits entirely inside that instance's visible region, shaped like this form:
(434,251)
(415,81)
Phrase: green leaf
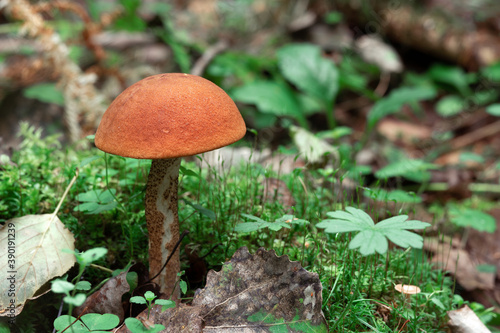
(449,106)
(469,156)
(91,255)
(368,242)
(61,286)
(493,109)
(89,160)
(395,101)
(473,218)
(399,196)
(278,224)
(45,92)
(134,325)
(373,237)
(303,65)
(270,97)
(62,322)
(183,286)
(405,168)
(485,268)
(76,300)
(186,172)
(96,201)
(149,295)
(96,321)
(165,304)
(452,76)
(138,300)
(83,285)
(202,210)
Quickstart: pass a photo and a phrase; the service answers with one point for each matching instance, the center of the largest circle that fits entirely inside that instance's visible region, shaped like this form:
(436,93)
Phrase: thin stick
(66,192)
(207,57)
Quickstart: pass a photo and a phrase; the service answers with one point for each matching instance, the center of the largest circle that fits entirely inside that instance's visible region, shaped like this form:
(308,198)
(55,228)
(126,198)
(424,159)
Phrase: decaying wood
(427,31)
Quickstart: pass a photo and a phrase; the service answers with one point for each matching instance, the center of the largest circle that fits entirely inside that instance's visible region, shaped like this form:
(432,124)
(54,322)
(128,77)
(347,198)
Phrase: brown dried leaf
(464,320)
(254,293)
(251,293)
(108,299)
(458,262)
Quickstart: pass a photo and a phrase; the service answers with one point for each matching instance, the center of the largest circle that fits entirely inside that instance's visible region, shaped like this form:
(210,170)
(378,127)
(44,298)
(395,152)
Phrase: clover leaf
(373,237)
(283,222)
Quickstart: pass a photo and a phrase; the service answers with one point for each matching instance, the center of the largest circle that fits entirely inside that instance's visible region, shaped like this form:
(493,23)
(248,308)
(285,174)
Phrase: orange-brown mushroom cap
(167,116)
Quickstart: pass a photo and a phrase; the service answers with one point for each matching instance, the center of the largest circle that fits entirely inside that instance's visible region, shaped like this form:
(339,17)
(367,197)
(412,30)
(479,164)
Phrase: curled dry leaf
(33,257)
(457,261)
(257,293)
(464,320)
(251,293)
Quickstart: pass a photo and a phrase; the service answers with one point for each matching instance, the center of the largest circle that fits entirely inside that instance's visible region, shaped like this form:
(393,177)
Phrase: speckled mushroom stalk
(163,221)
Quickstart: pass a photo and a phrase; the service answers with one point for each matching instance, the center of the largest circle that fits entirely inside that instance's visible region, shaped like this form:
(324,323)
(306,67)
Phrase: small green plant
(135,325)
(90,322)
(75,296)
(283,222)
(373,237)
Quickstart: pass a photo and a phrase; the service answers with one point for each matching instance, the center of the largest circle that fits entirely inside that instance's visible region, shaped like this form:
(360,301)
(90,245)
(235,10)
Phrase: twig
(480,133)
(208,55)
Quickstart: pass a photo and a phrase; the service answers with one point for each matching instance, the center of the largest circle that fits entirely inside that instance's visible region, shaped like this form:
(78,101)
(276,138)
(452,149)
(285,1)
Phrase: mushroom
(164,117)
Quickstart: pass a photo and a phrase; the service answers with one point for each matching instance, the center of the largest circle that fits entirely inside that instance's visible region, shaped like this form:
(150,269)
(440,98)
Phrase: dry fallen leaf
(458,262)
(251,293)
(33,257)
(464,320)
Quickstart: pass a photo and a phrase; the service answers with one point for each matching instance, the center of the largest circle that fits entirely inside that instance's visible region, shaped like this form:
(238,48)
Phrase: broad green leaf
(134,325)
(373,237)
(149,295)
(469,156)
(473,218)
(283,222)
(61,286)
(91,255)
(96,201)
(34,244)
(45,92)
(96,321)
(493,109)
(451,105)
(399,196)
(270,97)
(303,65)
(138,300)
(404,238)
(452,76)
(368,242)
(165,303)
(183,286)
(334,226)
(485,268)
(62,322)
(404,168)
(76,300)
(395,101)
(83,285)
(202,210)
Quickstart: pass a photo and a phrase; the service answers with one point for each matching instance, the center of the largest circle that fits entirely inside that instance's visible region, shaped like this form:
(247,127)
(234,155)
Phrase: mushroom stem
(163,222)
